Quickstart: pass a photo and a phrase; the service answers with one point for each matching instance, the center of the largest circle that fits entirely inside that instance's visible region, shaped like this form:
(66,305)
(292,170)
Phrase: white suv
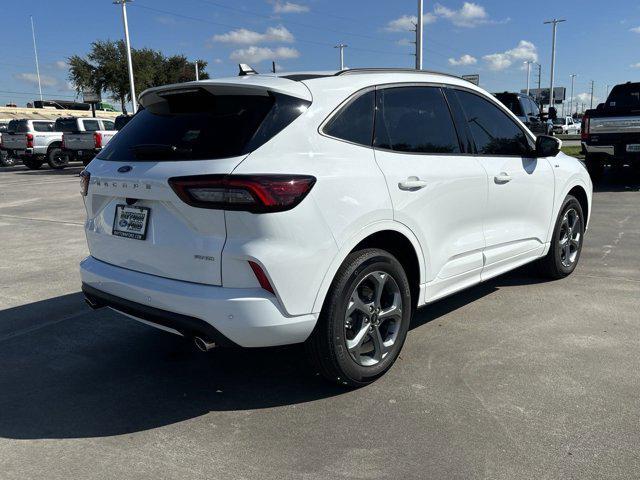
(321,208)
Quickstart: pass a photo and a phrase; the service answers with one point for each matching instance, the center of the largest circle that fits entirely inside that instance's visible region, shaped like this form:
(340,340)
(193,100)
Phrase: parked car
(84,137)
(33,142)
(566,126)
(322,208)
(611,132)
(525,108)
(5,159)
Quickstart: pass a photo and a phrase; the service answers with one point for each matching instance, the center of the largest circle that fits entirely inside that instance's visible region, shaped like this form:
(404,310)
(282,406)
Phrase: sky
(599,41)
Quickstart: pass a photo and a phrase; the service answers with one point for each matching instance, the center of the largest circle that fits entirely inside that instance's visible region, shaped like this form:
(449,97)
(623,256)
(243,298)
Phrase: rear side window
(493,131)
(66,125)
(197,125)
(354,123)
(43,126)
(91,125)
(416,120)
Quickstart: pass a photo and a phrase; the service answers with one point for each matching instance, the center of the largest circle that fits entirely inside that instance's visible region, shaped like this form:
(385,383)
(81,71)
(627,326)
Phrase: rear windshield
(18,126)
(199,125)
(511,101)
(66,125)
(625,96)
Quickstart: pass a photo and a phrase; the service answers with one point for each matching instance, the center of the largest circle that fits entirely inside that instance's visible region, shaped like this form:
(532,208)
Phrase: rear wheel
(7,160)
(32,163)
(57,159)
(364,321)
(595,166)
(566,244)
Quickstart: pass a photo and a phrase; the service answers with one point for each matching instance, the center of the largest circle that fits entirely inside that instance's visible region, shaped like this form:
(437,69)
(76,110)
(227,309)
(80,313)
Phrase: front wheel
(32,163)
(57,159)
(566,244)
(364,320)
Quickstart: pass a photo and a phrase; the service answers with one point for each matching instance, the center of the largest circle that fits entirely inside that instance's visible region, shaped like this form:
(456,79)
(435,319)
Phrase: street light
(528,64)
(555,23)
(341,46)
(134,103)
(573,77)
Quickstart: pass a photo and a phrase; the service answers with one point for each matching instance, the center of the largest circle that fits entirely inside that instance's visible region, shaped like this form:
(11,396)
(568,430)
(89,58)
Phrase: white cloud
(635,29)
(463,60)
(32,78)
(289,7)
(255,54)
(60,65)
(524,51)
(469,15)
(242,36)
(635,65)
(406,23)
(217,60)
(586,98)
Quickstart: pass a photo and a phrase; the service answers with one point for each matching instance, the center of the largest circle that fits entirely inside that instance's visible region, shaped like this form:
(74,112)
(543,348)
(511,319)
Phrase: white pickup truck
(83,138)
(32,141)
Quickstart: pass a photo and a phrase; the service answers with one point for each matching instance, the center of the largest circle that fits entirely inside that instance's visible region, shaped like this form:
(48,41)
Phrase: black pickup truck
(611,132)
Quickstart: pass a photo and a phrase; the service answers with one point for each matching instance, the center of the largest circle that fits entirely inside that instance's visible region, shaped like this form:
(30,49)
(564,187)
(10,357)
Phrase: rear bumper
(248,317)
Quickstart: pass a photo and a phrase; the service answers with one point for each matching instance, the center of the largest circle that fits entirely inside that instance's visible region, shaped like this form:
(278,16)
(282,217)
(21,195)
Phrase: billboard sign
(542,94)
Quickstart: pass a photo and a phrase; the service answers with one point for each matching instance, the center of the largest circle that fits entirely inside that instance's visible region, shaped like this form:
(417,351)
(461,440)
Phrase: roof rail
(347,71)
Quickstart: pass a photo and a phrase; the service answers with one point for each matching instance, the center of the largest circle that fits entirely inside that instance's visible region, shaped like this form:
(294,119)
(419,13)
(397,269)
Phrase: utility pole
(273,66)
(35,52)
(555,23)
(419,34)
(134,102)
(573,77)
(592,83)
(341,46)
(528,64)
(197,72)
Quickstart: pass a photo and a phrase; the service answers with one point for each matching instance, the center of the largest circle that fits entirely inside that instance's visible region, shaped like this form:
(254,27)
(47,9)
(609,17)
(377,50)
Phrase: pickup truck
(566,125)
(525,108)
(5,159)
(611,132)
(83,138)
(32,141)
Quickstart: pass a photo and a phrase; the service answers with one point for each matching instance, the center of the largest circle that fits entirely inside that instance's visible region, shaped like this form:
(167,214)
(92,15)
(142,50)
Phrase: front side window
(415,120)
(493,131)
(354,123)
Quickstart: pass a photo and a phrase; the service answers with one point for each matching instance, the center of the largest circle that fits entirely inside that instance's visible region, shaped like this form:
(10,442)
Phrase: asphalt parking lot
(513,379)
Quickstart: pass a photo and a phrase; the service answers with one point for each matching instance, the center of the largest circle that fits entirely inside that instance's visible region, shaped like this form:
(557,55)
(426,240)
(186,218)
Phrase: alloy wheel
(570,237)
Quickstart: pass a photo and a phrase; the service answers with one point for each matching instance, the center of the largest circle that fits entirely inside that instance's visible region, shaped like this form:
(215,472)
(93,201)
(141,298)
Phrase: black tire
(327,346)
(32,163)
(56,159)
(595,166)
(553,265)
(6,160)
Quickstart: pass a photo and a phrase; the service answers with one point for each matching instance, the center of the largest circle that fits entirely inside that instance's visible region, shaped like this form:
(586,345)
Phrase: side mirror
(547,146)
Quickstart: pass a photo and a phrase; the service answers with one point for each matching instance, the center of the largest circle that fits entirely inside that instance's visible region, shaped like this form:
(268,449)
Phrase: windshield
(199,125)
(625,96)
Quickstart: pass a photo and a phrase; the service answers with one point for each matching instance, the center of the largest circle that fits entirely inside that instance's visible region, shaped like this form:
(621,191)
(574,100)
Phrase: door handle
(412,184)
(502,178)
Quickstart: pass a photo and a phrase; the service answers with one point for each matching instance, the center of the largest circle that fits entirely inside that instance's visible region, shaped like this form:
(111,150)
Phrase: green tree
(104,69)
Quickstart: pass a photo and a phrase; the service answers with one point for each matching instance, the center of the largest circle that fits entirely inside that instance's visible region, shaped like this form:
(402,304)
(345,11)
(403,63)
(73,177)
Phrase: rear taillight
(62,142)
(97,139)
(251,193)
(29,140)
(584,129)
(84,182)
(261,276)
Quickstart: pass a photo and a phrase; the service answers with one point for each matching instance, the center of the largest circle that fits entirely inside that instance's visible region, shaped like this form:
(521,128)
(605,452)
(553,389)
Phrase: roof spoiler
(245,70)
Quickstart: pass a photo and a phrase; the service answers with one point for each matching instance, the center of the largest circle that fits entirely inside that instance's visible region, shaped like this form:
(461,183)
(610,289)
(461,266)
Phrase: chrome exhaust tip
(203,345)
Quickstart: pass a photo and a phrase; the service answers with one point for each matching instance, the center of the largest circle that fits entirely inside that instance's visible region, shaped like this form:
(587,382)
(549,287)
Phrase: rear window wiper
(159,150)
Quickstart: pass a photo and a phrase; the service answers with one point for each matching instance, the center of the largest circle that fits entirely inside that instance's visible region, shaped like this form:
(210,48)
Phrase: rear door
(135,220)
(521,187)
(437,190)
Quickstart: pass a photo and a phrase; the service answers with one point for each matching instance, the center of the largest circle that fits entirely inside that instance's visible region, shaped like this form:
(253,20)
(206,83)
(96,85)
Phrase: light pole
(35,52)
(341,46)
(134,102)
(419,34)
(197,72)
(528,63)
(592,85)
(555,23)
(573,77)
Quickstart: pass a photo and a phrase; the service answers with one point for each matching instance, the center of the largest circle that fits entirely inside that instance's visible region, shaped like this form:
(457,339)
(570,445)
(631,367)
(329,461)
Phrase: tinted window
(414,119)
(121,121)
(511,101)
(533,109)
(625,96)
(493,131)
(201,125)
(354,122)
(67,125)
(18,126)
(3,127)
(91,125)
(43,126)
(108,125)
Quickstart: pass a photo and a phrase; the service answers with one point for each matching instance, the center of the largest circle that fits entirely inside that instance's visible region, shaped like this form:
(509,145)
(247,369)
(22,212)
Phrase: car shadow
(69,372)
(618,180)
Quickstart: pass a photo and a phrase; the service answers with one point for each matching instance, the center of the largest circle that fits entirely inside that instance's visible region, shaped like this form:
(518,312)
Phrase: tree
(104,69)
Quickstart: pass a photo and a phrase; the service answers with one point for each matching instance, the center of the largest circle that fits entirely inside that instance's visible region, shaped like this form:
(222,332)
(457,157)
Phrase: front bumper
(248,317)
